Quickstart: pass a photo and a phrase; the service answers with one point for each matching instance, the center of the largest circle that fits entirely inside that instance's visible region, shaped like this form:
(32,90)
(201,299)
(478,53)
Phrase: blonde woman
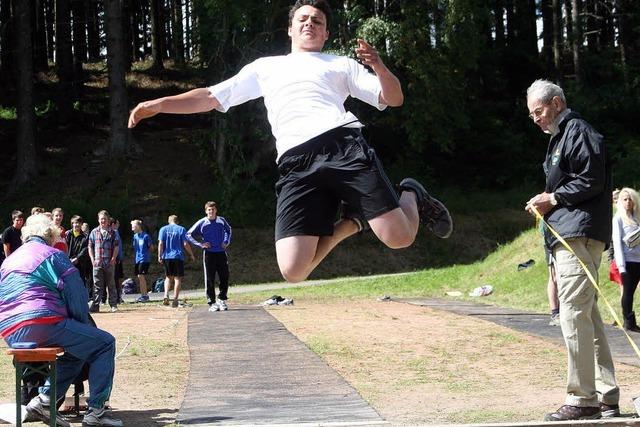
(627,257)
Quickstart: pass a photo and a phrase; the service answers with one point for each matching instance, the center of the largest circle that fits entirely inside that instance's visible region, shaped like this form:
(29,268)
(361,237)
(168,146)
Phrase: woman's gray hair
(40,226)
(544,90)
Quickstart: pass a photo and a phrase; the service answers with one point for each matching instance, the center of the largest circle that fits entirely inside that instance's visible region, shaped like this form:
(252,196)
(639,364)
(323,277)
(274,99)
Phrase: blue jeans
(82,344)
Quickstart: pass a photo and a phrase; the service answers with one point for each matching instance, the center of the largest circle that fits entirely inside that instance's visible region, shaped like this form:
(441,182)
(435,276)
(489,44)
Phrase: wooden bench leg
(53,396)
(22,369)
(18,367)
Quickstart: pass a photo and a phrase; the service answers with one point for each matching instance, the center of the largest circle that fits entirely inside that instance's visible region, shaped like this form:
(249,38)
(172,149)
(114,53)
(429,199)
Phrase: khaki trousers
(590,371)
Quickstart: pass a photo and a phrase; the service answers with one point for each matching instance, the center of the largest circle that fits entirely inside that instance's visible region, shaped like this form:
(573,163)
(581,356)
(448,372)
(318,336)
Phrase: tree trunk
(93,31)
(135,30)
(556,6)
(50,20)
(145,16)
(591,25)
(569,24)
(178,33)
(576,43)
(168,20)
(526,27)
(127,36)
(79,39)
(117,89)
(26,138)
(40,62)
(64,62)
(546,8)
(439,25)
(187,29)
(629,38)
(606,24)
(6,42)
(498,16)
(511,23)
(157,34)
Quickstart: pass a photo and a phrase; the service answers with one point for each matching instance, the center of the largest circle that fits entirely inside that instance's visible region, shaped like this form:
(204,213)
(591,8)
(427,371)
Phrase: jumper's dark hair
(321,5)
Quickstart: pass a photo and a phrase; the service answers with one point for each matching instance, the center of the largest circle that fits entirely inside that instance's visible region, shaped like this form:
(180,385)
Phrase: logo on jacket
(555,159)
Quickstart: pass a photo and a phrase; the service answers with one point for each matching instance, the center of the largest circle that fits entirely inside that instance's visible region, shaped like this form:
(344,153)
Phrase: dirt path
(414,365)
(420,366)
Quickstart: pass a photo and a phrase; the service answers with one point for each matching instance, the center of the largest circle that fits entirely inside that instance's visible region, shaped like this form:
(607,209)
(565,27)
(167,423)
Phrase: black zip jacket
(578,172)
(78,248)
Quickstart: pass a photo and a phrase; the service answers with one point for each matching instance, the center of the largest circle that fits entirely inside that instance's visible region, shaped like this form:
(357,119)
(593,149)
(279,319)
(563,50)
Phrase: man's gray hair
(544,90)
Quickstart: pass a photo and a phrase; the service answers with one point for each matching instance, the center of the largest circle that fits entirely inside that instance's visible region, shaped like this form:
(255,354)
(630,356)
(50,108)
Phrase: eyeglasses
(538,111)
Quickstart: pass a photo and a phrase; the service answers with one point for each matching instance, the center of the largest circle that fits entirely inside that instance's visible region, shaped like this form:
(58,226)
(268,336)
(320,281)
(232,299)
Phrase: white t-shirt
(304,93)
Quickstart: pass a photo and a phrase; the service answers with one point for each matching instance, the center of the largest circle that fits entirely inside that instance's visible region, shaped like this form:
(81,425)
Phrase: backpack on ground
(158,285)
(129,286)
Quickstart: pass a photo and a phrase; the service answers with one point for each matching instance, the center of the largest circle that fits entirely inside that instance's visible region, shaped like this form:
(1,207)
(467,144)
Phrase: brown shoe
(165,301)
(568,412)
(609,411)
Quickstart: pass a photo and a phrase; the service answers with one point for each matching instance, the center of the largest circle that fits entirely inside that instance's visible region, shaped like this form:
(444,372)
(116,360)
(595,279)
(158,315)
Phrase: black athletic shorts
(141,268)
(317,175)
(173,267)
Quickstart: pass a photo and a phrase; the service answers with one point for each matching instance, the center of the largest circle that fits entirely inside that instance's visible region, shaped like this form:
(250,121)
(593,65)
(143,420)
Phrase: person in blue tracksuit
(213,234)
(43,300)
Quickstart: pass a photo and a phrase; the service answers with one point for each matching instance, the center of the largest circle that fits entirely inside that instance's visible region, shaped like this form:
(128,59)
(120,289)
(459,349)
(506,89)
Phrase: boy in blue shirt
(172,241)
(142,246)
(213,234)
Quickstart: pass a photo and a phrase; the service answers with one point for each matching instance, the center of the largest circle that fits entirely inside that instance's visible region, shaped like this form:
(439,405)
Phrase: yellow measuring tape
(590,276)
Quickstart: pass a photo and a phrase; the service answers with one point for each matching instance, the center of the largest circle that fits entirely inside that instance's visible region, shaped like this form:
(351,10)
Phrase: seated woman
(43,300)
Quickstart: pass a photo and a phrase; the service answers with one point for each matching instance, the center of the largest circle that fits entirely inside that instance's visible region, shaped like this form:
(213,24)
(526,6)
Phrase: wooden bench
(22,361)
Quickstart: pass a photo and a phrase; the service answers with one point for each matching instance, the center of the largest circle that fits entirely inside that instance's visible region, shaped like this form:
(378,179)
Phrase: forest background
(72,69)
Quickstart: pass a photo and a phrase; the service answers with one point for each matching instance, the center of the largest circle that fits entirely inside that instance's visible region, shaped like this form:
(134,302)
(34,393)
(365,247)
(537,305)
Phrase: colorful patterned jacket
(39,285)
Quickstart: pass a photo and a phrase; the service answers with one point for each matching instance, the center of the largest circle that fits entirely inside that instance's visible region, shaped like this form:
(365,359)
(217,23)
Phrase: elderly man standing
(576,202)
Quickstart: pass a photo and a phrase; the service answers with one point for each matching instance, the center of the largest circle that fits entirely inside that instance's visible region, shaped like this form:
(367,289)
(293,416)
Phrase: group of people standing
(44,299)
(98,254)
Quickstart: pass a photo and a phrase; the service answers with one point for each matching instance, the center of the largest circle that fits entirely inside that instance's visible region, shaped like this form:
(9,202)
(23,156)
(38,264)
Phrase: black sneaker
(609,411)
(568,413)
(433,213)
(348,211)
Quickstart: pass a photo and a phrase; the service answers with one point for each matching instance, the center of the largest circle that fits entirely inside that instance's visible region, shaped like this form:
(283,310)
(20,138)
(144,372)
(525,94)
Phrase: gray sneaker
(214,307)
(554,320)
(100,417)
(222,305)
(38,408)
(433,213)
